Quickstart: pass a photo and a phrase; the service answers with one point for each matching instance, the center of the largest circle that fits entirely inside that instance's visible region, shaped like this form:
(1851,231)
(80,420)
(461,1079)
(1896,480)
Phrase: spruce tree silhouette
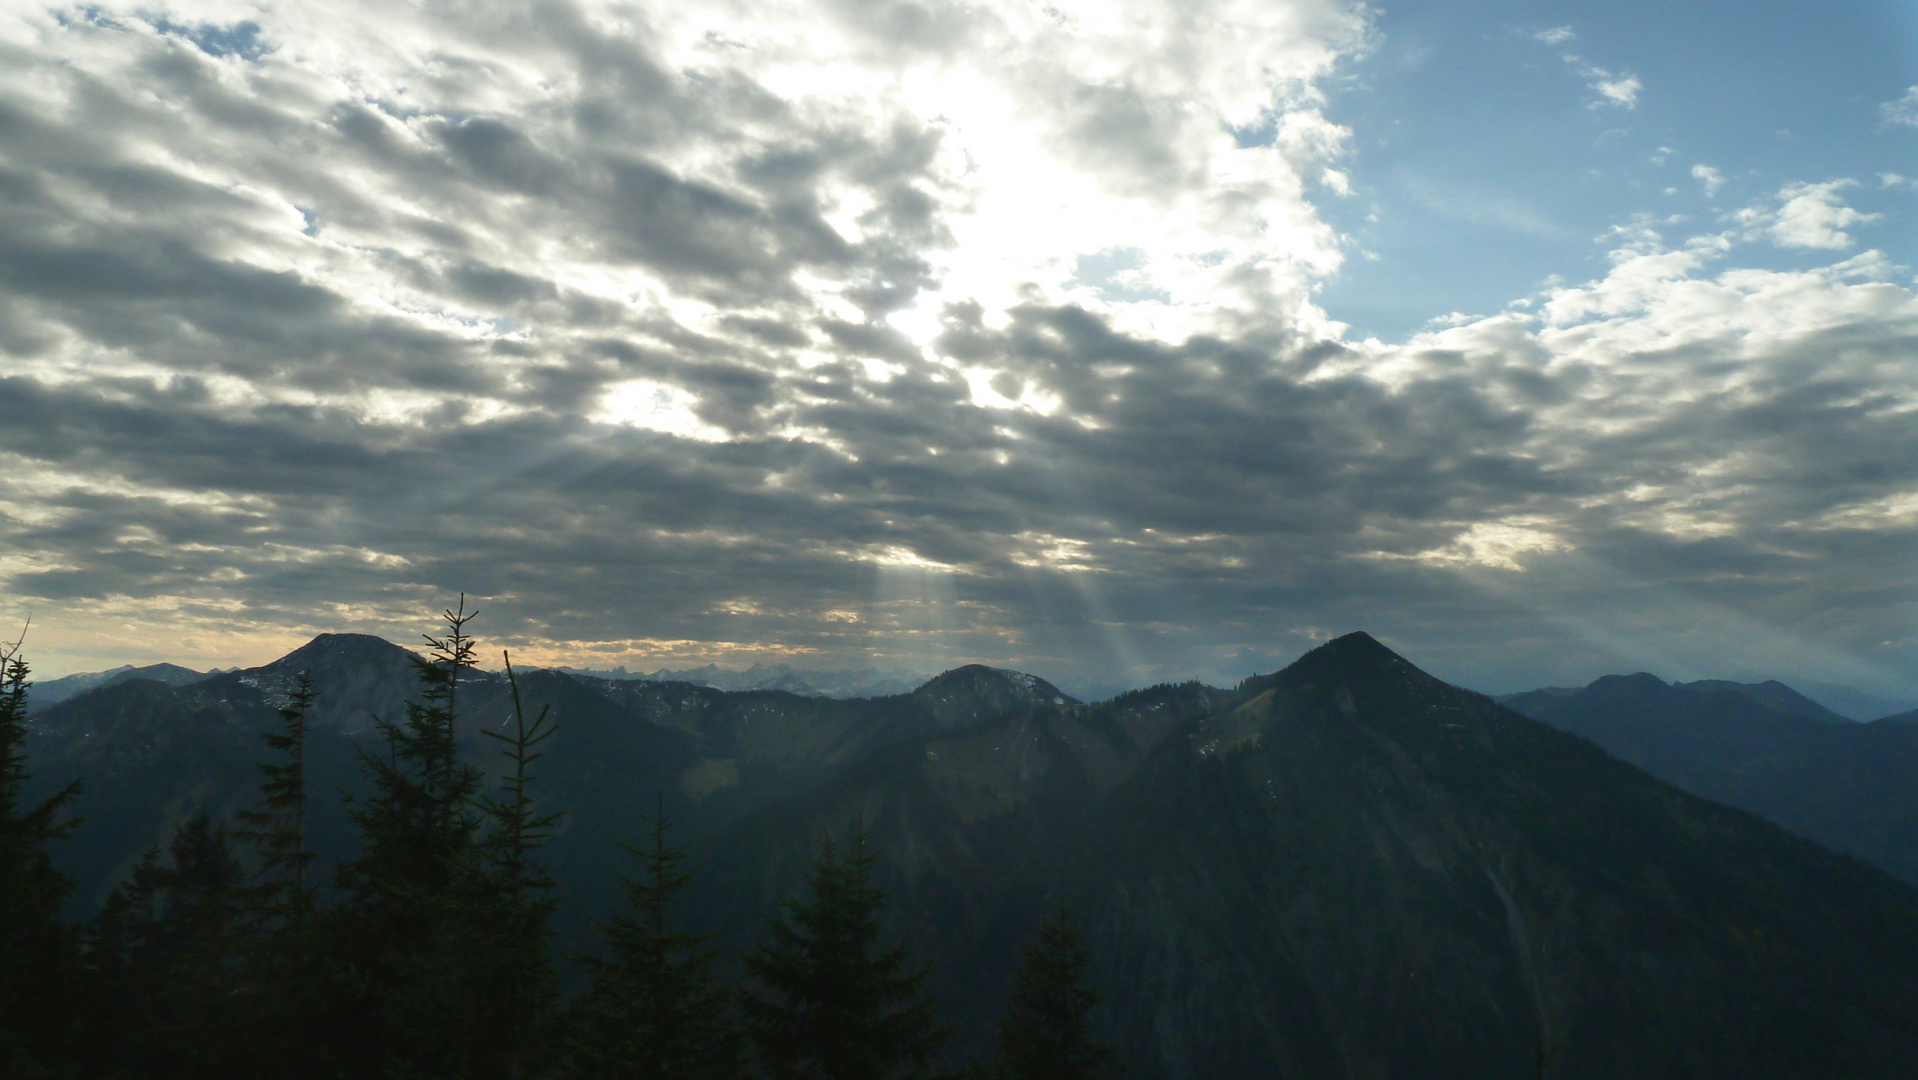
(832,1003)
(164,961)
(286,960)
(656,1009)
(37,953)
(1046,1032)
(516,898)
(443,961)
(276,828)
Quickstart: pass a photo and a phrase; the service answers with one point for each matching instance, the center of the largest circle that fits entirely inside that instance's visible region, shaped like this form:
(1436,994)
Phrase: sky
(1115,342)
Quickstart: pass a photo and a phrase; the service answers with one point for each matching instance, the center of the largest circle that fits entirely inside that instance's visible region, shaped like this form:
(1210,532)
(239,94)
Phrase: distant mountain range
(1345,869)
(1828,699)
(807,682)
(1851,703)
(53,691)
(1818,701)
(1760,747)
(1351,869)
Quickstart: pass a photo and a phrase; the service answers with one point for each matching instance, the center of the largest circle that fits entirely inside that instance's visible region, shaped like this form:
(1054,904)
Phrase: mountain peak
(1772,694)
(355,675)
(1357,656)
(1355,647)
(1640,682)
(331,649)
(975,692)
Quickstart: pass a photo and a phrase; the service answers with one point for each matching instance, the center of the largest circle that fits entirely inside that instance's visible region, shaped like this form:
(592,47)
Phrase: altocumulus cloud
(914,332)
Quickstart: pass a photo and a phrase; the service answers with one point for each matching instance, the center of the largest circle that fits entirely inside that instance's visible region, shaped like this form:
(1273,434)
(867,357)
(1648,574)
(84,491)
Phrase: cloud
(1709,177)
(915,333)
(1902,112)
(1812,217)
(1619,90)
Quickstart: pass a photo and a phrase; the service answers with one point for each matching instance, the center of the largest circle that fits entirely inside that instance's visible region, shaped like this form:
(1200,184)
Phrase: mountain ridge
(1847,785)
(1345,869)
(150,754)
(1349,868)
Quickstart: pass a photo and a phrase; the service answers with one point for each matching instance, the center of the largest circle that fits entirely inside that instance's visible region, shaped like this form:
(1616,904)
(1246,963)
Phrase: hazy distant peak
(171,674)
(1637,682)
(1851,702)
(807,682)
(54,691)
(1772,694)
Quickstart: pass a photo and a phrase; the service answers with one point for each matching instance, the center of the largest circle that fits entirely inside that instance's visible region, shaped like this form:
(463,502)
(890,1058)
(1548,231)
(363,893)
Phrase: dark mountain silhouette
(151,755)
(360,676)
(1351,869)
(1852,787)
(1772,694)
(975,692)
(1344,869)
(53,691)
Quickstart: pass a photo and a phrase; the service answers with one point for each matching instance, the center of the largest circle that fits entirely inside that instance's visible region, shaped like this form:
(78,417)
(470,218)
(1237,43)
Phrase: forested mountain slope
(1345,869)
(151,754)
(1852,787)
(1350,869)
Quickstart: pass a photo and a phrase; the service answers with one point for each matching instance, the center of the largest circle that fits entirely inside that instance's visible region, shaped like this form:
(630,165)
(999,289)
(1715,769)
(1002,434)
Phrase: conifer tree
(832,1002)
(512,900)
(277,826)
(445,927)
(163,960)
(407,958)
(286,965)
(1046,1032)
(517,826)
(37,960)
(656,1010)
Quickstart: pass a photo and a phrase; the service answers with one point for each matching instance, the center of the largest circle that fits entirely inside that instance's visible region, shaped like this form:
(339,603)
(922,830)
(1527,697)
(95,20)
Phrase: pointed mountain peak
(1357,647)
(1357,657)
